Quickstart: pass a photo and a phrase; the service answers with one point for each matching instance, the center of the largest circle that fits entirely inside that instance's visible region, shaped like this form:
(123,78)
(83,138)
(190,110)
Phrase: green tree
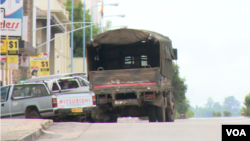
(180,88)
(217,114)
(227,113)
(107,25)
(232,104)
(189,113)
(246,102)
(203,112)
(78,35)
(179,85)
(210,102)
(217,106)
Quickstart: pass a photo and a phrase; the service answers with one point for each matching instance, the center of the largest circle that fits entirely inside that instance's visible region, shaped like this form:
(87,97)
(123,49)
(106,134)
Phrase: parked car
(35,100)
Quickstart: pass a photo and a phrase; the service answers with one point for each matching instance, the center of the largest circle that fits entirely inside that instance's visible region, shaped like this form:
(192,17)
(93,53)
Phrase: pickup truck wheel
(170,114)
(151,113)
(160,113)
(34,114)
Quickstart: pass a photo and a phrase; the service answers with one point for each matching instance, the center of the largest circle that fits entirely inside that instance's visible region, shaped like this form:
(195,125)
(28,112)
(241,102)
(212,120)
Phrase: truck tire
(160,113)
(170,113)
(151,113)
(113,118)
(33,114)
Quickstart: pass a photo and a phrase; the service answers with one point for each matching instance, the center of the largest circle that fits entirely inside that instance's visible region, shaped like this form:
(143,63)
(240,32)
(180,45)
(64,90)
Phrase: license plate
(76,110)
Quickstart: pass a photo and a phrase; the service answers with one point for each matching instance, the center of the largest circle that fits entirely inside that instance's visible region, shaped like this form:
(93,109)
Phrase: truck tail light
(149,96)
(54,102)
(94,100)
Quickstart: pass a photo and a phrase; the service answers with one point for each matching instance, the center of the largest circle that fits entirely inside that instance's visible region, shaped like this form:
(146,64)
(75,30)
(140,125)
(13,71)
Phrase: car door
(5,105)
(21,96)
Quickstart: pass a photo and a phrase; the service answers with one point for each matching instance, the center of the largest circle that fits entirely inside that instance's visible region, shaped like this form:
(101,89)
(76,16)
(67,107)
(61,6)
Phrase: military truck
(130,72)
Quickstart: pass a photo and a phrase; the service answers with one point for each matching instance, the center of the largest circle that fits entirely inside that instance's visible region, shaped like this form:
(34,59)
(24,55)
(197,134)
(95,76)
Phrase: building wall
(58,63)
(78,65)
(62,54)
(41,35)
(24,72)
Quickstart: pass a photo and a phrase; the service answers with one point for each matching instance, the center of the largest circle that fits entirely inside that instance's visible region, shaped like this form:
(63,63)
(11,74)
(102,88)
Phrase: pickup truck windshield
(4,93)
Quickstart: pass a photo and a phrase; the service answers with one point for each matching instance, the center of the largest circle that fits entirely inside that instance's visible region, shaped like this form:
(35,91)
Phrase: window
(82,82)
(55,87)
(4,93)
(136,61)
(29,90)
(22,90)
(129,60)
(68,84)
(39,90)
(144,60)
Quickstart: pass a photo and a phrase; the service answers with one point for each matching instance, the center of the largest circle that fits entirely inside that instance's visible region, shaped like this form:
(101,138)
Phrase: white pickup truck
(35,100)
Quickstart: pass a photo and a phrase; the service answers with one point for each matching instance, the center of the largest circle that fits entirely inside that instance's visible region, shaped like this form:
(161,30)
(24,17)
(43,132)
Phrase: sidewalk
(23,129)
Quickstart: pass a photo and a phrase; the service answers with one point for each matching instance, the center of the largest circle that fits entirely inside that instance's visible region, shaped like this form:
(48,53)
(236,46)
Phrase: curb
(32,136)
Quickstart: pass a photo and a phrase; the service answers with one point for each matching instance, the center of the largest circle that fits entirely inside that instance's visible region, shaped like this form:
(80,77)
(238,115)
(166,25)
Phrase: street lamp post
(91,27)
(83,40)
(72,15)
(48,29)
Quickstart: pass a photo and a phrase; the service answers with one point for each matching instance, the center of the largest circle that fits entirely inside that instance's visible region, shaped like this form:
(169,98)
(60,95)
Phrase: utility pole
(83,40)
(48,29)
(7,71)
(34,24)
(72,15)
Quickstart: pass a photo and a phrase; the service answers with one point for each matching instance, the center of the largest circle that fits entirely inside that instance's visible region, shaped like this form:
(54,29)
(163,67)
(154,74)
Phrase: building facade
(60,47)
(25,49)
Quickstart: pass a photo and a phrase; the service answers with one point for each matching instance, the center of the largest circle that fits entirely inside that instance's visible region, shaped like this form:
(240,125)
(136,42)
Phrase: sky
(212,38)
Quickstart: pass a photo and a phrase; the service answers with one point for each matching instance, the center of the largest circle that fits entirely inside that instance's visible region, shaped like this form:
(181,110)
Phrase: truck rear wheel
(151,113)
(113,118)
(160,113)
(170,114)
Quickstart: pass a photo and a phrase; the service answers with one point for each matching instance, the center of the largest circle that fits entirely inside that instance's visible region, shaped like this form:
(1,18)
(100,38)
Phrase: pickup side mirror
(12,97)
(175,53)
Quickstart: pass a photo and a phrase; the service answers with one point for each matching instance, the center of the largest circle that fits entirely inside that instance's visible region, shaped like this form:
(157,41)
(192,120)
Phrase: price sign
(13,46)
(3,46)
(44,67)
(12,62)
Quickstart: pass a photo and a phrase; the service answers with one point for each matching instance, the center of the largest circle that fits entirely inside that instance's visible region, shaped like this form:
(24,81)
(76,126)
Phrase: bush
(189,113)
(227,113)
(217,114)
(246,111)
(177,115)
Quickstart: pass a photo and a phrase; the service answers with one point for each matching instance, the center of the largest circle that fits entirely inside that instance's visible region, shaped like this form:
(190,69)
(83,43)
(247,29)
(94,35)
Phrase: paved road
(195,129)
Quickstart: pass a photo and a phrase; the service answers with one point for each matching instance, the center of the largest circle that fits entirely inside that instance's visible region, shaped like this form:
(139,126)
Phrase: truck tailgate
(75,100)
(124,78)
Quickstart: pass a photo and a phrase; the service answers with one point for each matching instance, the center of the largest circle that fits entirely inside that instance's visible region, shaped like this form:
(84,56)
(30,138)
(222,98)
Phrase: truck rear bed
(125,80)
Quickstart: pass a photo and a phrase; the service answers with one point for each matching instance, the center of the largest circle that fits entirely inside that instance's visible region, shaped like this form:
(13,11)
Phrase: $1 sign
(44,64)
